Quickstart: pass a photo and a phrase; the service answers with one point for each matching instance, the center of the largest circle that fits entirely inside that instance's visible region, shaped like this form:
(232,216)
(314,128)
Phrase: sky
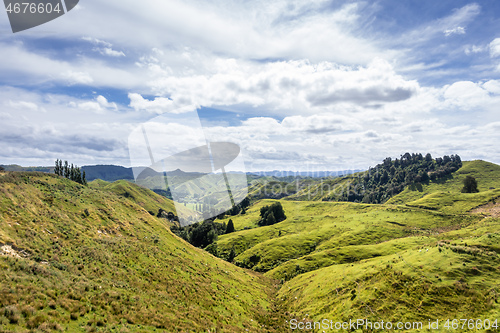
(298,85)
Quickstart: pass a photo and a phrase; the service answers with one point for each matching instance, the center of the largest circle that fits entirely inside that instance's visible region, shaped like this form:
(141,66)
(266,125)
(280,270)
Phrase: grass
(413,285)
(314,227)
(486,174)
(94,259)
(424,255)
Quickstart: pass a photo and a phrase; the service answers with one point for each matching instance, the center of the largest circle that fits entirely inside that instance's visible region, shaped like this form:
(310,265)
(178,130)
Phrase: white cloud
(318,124)
(454,31)
(77,77)
(23,65)
(257,29)
(96,41)
(468,95)
(159,105)
(23,105)
(317,88)
(106,48)
(110,52)
(99,105)
(470,49)
(495,48)
(451,24)
(286,87)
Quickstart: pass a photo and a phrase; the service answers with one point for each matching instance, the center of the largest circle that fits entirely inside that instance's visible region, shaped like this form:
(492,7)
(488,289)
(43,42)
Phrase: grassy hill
(487,175)
(426,254)
(93,258)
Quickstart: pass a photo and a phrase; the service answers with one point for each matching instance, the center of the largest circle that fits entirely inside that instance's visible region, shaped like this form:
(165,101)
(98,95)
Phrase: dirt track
(490,209)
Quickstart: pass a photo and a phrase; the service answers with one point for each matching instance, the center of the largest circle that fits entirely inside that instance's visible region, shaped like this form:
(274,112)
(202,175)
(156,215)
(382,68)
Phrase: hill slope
(487,175)
(83,258)
(426,258)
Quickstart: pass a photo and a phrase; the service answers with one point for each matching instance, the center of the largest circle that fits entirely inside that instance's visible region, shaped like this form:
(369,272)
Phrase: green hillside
(93,258)
(487,175)
(429,256)
(312,228)
(97,258)
(382,182)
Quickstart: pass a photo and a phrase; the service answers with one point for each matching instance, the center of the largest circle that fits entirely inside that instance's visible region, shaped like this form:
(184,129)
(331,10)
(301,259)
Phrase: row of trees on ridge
(71,172)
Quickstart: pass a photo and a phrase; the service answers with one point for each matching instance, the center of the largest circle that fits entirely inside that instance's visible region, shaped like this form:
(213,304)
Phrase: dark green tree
(470,185)
(84,179)
(230,227)
(270,219)
(231,256)
(278,214)
(66,169)
(72,172)
(57,169)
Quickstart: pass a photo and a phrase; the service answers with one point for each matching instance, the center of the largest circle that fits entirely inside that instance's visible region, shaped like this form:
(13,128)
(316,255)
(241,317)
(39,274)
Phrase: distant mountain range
(112,173)
(312,174)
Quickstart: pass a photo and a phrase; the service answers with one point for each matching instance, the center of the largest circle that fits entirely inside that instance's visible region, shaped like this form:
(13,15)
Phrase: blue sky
(299,85)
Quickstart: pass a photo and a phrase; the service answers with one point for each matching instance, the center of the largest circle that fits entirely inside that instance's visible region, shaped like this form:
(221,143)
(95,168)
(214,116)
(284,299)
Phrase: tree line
(391,177)
(70,172)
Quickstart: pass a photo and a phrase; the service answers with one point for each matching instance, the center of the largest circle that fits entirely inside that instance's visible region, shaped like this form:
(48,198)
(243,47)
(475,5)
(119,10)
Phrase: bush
(470,185)
(272,214)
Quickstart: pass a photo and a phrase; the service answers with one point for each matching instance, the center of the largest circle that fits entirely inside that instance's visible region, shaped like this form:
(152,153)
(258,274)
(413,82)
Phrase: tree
(277,212)
(73,173)
(270,219)
(84,179)
(2,168)
(57,171)
(230,227)
(232,255)
(66,169)
(470,185)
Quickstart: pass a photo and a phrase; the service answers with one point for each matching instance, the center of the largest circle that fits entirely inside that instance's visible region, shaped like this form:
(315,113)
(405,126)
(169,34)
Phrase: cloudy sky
(300,85)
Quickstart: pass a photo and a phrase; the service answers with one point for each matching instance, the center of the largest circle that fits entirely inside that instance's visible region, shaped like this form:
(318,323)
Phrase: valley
(98,258)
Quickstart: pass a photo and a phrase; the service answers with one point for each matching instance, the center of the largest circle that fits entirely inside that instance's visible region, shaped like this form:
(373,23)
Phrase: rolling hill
(93,258)
(429,253)
(97,258)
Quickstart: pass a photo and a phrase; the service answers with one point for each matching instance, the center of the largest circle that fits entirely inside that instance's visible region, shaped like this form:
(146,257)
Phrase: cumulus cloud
(99,105)
(468,95)
(454,31)
(285,87)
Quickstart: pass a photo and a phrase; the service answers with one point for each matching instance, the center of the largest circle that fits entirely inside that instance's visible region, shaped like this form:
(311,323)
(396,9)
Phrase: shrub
(12,313)
(271,214)
(470,185)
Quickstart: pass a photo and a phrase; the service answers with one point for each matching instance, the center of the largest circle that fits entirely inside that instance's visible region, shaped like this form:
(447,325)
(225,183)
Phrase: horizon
(353,170)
